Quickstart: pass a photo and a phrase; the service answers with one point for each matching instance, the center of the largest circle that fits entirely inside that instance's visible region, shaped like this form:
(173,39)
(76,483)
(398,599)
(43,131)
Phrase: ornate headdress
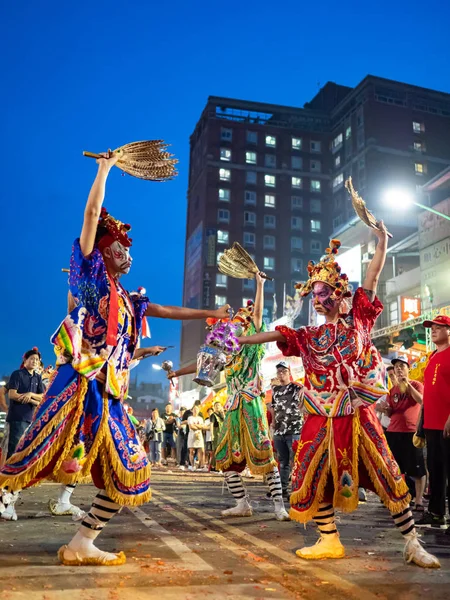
(327,271)
(111,230)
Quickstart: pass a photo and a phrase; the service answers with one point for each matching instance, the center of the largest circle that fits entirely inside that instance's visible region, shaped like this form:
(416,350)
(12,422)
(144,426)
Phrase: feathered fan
(360,207)
(237,262)
(145,160)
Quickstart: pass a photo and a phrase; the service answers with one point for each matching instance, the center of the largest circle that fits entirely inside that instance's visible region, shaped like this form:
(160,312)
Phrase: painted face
(322,301)
(119,258)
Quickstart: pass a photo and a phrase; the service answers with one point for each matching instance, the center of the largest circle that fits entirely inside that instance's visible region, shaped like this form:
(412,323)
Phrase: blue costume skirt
(79,433)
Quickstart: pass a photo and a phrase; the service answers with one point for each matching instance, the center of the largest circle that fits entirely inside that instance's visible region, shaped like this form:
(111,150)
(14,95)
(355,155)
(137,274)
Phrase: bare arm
(415,395)
(181,313)
(259,302)
(192,368)
(377,263)
(3,405)
(95,201)
(263,338)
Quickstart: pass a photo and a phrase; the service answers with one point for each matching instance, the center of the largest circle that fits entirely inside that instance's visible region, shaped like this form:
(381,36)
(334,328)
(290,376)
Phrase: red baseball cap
(439,320)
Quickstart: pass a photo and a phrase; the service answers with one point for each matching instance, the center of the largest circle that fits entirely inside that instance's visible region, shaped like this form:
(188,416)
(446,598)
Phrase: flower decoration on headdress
(327,271)
(117,231)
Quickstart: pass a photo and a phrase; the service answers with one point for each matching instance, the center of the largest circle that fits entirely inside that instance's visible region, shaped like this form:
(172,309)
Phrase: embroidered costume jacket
(340,360)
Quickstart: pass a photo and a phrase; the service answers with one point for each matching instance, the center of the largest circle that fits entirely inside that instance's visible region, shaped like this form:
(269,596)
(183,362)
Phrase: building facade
(272,178)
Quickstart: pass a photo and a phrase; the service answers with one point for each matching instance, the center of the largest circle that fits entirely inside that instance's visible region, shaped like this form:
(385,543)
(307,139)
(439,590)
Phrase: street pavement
(178,547)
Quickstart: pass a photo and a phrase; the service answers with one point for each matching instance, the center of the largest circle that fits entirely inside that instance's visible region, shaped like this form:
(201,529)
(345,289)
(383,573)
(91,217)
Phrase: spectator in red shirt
(403,406)
(436,410)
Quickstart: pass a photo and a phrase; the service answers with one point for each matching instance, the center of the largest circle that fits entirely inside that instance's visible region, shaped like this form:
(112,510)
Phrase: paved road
(178,547)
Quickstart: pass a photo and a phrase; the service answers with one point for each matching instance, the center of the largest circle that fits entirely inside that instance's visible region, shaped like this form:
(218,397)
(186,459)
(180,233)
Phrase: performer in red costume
(342,445)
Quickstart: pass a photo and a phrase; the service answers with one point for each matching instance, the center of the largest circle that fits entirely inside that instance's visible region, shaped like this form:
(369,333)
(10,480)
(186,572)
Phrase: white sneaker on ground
(415,553)
(182,467)
(242,509)
(190,468)
(281,513)
(9,514)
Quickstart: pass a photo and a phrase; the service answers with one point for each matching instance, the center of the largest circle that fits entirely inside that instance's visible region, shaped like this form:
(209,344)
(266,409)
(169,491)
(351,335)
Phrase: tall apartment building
(272,178)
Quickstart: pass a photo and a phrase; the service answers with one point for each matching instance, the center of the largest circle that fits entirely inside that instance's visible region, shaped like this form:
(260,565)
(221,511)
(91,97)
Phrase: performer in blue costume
(81,429)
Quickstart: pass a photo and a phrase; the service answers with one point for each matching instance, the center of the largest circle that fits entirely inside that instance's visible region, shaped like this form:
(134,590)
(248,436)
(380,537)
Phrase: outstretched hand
(142,353)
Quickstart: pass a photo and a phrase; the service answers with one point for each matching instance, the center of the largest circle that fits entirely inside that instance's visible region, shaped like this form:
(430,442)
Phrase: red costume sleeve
(294,345)
(365,312)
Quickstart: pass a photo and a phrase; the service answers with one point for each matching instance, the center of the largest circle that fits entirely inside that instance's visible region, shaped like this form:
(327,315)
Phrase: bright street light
(402,198)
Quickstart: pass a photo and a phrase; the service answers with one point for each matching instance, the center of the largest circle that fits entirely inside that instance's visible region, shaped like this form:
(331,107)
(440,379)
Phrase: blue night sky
(92,75)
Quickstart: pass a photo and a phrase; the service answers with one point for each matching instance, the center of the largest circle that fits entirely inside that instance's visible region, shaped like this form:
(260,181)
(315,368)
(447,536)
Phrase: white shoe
(190,468)
(362,495)
(281,513)
(415,553)
(59,510)
(9,514)
(182,468)
(242,509)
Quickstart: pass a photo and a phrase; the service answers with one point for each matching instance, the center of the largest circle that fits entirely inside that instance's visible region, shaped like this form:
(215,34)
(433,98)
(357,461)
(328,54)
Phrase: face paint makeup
(119,256)
(322,300)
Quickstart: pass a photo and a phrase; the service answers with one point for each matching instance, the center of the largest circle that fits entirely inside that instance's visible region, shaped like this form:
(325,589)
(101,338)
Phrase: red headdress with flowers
(327,271)
(114,231)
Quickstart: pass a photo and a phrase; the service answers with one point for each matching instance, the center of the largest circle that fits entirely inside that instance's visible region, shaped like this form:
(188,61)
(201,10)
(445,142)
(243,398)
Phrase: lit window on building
(418,127)
(224,174)
(252,137)
(419,146)
(271,141)
(269,180)
(269,200)
(269,242)
(419,168)
(225,154)
(315,226)
(223,215)
(315,146)
(296,243)
(315,185)
(250,158)
(338,180)
(221,280)
(226,134)
(269,263)
(296,143)
(337,142)
(316,166)
(296,223)
(219,256)
(337,160)
(270,221)
(224,195)
(251,177)
(348,133)
(296,163)
(249,197)
(296,202)
(270,160)
(296,182)
(220,300)
(222,236)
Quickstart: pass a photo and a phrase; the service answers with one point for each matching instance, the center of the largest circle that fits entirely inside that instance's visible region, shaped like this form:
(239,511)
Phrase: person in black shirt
(25,393)
(170,421)
(288,421)
(216,420)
